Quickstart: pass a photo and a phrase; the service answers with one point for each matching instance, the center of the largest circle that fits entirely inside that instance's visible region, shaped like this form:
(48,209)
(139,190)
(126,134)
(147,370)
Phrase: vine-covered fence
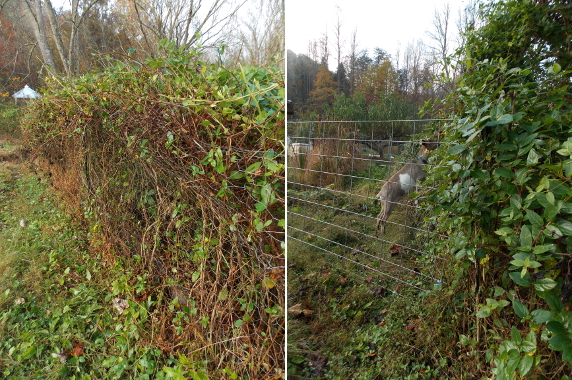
(335,171)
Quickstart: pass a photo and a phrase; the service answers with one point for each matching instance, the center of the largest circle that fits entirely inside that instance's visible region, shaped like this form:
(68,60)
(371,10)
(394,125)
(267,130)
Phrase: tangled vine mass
(177,165)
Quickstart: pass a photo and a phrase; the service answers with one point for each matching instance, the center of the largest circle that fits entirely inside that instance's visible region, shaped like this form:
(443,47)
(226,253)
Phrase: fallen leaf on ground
(297,311)
(120,304)
(77,349)
(62,357)
(395,249)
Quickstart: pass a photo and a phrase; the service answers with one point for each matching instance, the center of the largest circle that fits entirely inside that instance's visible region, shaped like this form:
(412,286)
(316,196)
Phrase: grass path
(57,318)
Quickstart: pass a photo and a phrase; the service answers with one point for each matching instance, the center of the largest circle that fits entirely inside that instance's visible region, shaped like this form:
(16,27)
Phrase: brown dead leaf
(77,349)
(395,249)
(298,311)
(277,273)
(120,304)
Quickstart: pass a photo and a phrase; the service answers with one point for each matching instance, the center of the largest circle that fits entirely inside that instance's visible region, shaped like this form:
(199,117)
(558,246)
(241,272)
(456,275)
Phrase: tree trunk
(57,36)
(33,9)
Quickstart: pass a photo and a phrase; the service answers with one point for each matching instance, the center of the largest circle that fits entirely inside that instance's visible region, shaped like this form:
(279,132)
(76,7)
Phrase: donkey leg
(386,209)
(381,218)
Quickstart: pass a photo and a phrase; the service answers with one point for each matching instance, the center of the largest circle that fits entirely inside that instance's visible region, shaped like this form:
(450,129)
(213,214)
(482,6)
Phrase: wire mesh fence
(334,172)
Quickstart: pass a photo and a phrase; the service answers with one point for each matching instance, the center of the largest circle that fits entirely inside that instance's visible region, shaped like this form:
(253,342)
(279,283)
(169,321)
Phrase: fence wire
(334,171)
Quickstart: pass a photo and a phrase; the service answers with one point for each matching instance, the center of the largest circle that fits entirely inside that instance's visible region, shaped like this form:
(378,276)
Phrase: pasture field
(361,306)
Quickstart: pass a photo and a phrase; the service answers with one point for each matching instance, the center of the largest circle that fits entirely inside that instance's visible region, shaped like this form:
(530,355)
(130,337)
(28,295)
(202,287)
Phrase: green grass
(57,319)
(9,121)
(358,329)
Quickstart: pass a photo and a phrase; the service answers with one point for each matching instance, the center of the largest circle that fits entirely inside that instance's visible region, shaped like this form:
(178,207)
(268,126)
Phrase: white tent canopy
(26,93)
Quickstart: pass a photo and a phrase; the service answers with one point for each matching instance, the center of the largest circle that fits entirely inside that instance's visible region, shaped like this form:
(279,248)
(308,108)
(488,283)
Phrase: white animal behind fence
(296,149)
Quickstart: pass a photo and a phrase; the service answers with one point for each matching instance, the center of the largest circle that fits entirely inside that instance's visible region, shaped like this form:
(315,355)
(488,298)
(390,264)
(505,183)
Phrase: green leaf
(556,327)
(236,175)
(560,342)
(519,308)
(260,207)
(457,149)
(532,158)
(540,249)
(506,147)
(504,231)
(552,231)
(522,176)
(552,300)
(522,281)
(267,194)
(550,197)
(514,359)
(525,365)
(534,219)
(223,294)
(567,356)
(478,173)
(544,284)
(503,172)
(484,312)
(525,236)
(551,210)
(518,263)
(254,167)
(554,69)
(541,316)
(565,226)
(505,119)
(515,335)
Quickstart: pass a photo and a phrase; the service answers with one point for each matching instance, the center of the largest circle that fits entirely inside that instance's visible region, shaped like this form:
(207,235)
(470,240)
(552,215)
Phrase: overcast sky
(386,24)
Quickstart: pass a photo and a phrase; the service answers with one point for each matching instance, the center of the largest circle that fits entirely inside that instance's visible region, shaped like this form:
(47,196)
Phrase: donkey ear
(423,143)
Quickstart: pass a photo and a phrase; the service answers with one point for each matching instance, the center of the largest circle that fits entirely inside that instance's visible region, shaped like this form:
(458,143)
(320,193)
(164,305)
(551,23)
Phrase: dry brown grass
(327,164)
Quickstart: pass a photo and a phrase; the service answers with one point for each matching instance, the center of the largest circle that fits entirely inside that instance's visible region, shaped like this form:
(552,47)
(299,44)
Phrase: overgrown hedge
(178,166)
(505,195)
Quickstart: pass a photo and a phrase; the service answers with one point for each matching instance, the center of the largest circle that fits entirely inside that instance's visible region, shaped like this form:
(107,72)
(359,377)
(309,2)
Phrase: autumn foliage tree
(324,92)
(379,81)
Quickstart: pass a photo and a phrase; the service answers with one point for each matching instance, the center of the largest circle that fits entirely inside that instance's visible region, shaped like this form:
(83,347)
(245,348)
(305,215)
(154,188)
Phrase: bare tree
(185,22)
(324,47)
(338,42)
(261,37)
(36,10)
(467,20)
(32,10)
(313,51)
(413,66)
(442,48)
(352,61)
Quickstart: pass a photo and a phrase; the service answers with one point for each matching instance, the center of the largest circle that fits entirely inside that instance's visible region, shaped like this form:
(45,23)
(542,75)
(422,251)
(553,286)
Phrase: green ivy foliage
(505,193)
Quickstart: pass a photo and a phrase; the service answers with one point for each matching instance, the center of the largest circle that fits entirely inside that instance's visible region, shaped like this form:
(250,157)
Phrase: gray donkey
(402,183)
